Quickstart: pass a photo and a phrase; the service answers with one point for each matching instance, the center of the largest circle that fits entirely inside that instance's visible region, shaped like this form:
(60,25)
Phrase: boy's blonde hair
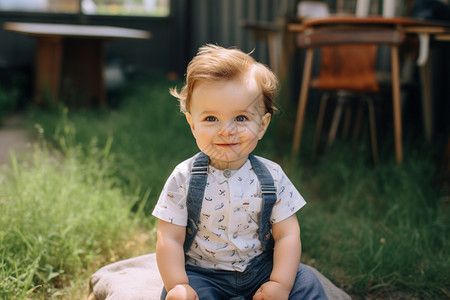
(215,63)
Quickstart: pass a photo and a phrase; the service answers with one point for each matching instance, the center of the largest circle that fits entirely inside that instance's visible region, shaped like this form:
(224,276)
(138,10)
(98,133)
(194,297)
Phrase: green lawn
(90,185)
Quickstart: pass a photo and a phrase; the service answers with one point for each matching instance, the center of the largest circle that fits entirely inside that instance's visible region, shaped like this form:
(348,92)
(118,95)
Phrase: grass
(63,214)
(388,228)
(376,231)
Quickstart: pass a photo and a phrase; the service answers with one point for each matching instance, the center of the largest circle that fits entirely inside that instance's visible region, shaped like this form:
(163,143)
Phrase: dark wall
(220,22)
(175,40)
(163,52)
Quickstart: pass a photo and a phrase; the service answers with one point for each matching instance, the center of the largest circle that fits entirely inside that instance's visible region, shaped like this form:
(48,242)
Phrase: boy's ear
(265,121)
(190,121)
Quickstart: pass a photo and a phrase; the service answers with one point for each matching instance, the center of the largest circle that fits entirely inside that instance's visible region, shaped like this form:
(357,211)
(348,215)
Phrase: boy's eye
(211,119)
(241,119)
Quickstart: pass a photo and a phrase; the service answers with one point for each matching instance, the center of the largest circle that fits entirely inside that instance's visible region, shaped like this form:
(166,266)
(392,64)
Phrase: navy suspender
(197,184)
(269,196)
(196,191)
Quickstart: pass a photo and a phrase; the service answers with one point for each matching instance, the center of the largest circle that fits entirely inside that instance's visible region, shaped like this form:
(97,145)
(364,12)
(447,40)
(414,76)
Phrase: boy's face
(227,119)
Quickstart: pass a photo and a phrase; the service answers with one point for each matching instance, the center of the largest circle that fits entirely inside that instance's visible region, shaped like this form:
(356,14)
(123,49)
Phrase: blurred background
(80,193)
(179,27)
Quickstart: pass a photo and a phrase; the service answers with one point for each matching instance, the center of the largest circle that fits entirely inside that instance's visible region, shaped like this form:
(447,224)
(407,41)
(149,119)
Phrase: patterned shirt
(227,238)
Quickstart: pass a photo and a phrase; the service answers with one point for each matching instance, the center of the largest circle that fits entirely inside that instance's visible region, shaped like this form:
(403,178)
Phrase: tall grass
(149,134)
(376,231)
(62,213)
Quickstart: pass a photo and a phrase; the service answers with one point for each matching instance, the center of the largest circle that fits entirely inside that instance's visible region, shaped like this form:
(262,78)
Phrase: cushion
(139,279)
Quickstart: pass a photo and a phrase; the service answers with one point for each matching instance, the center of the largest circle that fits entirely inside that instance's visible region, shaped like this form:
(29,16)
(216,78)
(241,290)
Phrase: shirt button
(235,235)
(227,173)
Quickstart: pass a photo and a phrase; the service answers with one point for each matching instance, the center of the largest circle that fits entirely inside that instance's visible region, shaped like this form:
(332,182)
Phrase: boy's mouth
(226,145)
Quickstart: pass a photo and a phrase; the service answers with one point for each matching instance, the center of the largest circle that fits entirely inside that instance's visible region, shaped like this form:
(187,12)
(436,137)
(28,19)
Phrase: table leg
(423,62)
(396,102)
(272,41)
(49,52)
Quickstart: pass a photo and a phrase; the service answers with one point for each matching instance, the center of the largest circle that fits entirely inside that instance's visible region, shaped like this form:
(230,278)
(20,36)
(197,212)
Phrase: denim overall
(218,284)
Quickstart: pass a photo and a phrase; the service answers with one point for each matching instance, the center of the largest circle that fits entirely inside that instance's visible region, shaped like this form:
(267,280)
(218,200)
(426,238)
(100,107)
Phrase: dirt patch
(13,137)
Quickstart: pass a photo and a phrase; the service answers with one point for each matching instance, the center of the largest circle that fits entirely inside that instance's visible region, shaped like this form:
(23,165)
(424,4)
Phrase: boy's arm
(170,254)
(286,259)
(287,251)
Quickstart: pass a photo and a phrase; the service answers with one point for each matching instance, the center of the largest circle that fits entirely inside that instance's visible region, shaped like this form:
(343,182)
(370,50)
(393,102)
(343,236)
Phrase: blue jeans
(225,285)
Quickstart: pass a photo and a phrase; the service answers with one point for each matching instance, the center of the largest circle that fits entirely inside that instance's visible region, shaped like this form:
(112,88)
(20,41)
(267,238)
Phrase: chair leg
(347,121)
(302,101)
(396,103)
(373,129)
(335,123)
(319,125)
(358,120)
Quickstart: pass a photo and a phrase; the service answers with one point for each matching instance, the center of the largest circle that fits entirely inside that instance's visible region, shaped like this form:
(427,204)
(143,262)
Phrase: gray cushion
(138,279)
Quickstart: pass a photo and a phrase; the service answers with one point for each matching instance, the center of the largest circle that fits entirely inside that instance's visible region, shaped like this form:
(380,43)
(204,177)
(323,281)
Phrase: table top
(442,37)
(407,24)
(75,31)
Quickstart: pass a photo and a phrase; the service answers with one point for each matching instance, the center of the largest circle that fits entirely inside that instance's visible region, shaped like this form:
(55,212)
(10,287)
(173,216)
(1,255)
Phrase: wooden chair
(347,72)
(348,56)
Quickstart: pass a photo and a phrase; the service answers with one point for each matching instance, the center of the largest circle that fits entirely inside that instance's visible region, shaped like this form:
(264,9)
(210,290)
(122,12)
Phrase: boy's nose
(228,129)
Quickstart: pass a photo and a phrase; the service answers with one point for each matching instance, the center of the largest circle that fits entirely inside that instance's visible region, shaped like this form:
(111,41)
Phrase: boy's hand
(271,290)
(182,292)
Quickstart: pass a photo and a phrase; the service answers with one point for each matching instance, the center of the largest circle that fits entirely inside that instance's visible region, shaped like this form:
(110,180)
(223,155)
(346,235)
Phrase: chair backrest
(348,54)
(347,67)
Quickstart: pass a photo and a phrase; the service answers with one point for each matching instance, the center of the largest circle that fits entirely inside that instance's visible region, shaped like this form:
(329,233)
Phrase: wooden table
(279,42)
(69,59)
(424,30)
(272,32)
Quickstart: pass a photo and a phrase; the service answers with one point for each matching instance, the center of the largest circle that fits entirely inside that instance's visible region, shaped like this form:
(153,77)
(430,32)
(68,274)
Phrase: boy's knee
(307,275)
(307,285)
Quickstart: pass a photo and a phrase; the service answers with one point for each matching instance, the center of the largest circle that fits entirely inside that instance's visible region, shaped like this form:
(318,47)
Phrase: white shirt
(228,230)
